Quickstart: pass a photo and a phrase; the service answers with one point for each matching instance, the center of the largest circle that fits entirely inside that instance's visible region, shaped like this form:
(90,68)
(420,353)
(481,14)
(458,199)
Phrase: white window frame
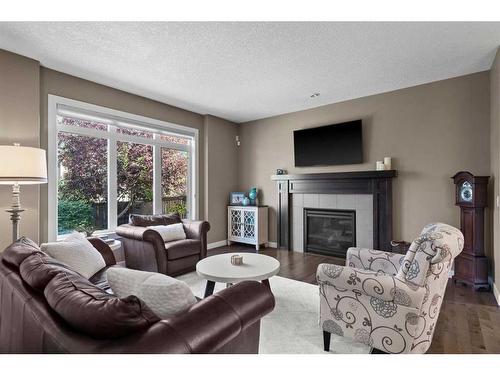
(54,102)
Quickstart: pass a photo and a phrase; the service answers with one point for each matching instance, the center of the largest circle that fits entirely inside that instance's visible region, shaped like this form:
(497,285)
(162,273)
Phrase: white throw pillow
(172,232)
(164,295)
(78,253)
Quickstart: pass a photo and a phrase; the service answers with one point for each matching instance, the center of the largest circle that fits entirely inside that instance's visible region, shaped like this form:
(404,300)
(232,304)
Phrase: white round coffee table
(218,269)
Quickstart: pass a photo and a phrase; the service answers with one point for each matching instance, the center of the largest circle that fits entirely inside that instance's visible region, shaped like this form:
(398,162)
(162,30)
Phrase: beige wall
(19,122)
(431,131)
(56,83)
(495,165)
(221,173)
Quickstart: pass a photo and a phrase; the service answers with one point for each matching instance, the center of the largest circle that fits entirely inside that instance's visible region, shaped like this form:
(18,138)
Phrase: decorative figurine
(253,196)
(246,201)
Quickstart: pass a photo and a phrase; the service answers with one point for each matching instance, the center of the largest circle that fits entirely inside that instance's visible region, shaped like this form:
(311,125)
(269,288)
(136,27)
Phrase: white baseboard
(496,293)
(214,245)
(272,244)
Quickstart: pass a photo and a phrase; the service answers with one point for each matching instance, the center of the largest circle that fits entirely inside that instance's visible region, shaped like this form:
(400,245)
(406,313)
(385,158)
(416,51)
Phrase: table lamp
(21,166)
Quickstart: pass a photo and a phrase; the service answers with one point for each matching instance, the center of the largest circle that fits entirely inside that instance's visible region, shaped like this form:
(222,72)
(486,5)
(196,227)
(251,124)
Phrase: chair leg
(326,340)
(377,351)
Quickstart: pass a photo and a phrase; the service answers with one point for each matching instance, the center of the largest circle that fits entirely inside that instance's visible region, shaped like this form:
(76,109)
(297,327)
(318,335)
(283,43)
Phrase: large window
(105,165)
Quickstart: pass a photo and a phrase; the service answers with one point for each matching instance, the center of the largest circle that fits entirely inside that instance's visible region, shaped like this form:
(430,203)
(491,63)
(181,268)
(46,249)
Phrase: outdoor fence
(100,210)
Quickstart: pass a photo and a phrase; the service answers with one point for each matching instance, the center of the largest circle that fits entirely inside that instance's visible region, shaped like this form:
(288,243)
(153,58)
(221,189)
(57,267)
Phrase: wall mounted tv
(329,145)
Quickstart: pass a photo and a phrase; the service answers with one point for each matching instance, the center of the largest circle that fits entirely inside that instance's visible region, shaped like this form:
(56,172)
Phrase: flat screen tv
(329,145)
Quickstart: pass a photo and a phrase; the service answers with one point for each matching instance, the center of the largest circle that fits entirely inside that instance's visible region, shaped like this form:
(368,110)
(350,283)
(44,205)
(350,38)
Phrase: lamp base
(15,211)
(15,217)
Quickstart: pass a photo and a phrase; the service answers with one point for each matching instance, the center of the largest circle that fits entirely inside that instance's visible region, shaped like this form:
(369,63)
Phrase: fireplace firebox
(329,232)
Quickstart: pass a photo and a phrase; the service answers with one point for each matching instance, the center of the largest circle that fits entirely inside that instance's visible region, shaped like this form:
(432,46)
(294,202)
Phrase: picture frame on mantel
(236,198)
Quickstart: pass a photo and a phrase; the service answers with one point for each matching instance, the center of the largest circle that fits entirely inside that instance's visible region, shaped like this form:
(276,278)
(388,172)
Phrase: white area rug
(292,327)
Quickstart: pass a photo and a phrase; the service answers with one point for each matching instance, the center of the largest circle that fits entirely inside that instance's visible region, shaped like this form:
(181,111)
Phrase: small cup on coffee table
(237,260)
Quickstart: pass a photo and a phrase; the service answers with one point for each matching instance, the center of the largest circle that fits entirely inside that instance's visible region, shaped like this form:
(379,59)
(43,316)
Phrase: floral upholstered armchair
(386,300)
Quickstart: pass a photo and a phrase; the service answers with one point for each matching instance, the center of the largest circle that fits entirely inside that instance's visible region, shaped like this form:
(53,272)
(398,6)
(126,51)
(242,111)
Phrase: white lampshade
(24,165)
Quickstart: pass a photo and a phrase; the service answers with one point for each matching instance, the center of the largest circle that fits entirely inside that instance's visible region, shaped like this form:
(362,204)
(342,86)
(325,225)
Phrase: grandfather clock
(471,266)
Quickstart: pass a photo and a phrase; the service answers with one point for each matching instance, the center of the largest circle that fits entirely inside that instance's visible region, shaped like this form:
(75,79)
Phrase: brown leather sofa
(145,250)
(45,307)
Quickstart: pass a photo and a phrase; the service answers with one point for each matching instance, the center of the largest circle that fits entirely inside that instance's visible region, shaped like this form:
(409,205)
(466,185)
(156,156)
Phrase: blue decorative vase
(253,195)
(246,201)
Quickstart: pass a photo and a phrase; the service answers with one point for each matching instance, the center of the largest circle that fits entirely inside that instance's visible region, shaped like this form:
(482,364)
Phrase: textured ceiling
(246,71)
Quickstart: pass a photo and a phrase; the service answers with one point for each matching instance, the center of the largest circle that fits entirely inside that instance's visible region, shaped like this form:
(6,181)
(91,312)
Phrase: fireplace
(378,184)
(329,232)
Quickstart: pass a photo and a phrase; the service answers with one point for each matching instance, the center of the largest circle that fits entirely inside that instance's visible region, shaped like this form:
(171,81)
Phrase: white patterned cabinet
(247,224)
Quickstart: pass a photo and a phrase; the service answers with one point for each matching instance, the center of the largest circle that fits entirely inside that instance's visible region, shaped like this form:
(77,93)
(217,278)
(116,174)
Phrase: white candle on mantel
(388,163)
(380,166)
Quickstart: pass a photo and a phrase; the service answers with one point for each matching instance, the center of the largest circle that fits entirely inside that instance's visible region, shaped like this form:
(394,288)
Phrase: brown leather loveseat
(47,308)
(145,250)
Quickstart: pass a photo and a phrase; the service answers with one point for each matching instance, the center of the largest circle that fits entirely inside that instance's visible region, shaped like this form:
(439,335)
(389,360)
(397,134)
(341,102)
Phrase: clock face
(466,192)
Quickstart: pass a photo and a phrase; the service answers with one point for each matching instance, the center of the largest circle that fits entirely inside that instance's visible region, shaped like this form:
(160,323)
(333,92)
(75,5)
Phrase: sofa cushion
(38,269)
(172,232)
(182,248)
(164,295)
(149,220)
(78,253)
(92,311)
(19,250)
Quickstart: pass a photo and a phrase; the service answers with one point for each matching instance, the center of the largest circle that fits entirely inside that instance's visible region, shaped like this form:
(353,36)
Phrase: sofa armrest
(140,233)
(370,283)
(197,230)
(374,260)
(205,327)
(136,239)
(104,249)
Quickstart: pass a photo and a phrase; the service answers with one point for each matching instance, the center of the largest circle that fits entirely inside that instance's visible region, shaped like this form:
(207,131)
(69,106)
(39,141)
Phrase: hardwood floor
(469,321)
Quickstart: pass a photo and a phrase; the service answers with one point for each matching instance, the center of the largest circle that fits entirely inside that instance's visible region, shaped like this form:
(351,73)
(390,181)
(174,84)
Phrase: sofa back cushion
(77,253)
(91,311)
(38,269)
(19,250)
(150,220)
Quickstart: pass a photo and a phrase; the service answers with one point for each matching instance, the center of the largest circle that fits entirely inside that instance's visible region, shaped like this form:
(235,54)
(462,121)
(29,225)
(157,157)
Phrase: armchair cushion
(374,284)
(172,232)
(182,248)
(374,260)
